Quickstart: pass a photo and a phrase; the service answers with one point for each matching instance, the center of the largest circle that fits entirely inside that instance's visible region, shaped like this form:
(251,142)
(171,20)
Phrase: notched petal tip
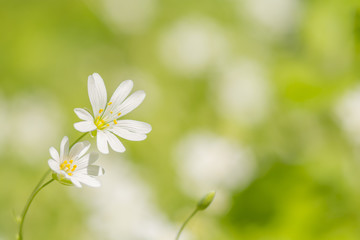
(148,128)
(64,140)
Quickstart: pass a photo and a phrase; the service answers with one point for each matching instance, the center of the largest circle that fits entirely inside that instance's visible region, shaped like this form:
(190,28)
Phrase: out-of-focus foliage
(257,99)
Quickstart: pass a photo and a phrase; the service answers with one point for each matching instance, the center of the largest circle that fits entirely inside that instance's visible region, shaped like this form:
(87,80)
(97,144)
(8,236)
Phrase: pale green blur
(304,147)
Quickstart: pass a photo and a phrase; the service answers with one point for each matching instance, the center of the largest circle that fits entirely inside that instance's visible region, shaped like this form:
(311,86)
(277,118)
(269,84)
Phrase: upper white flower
(106,115)
(74,167)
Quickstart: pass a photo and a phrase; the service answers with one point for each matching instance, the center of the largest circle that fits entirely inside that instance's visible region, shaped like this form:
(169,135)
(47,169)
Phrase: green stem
(36,190)
(26,208)
(41,180)
(186,221)
(78,140)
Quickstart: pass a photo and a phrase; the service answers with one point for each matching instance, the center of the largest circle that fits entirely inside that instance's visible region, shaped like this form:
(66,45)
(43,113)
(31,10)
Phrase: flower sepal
(93,133)
(62,179)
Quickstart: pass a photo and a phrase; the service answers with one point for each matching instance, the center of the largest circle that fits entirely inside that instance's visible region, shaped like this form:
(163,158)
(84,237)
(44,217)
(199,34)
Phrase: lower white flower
(73,167)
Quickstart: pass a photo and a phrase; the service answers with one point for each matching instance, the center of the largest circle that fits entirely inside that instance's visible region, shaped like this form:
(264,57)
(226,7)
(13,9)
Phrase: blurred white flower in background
(5,126)
(36,122)
(122,208)
(208,162)
(125,16)
(193,45)
(243,92)
(347,110)
(278,16)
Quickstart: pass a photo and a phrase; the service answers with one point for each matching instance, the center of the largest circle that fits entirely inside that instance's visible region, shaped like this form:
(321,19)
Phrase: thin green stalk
(41,180)
(186,221)
(26,208)
(78,140)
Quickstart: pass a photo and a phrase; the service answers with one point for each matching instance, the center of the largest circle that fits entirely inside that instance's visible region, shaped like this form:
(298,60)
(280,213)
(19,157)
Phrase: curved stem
(36,191)
(26,208)
(186,221)
(78,140)
(41,181)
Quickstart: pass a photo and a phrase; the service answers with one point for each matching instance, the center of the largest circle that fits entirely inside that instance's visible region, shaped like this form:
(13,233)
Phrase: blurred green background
(257,99)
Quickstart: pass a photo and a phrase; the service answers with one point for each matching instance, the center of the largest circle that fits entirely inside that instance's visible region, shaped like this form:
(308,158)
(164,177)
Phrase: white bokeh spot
(122,208)
(347,111)
(208,162)
(193,45)
(243,92)
(278,16)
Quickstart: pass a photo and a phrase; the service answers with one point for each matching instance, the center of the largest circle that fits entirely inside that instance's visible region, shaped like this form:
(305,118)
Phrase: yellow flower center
(100,123)
(68,167)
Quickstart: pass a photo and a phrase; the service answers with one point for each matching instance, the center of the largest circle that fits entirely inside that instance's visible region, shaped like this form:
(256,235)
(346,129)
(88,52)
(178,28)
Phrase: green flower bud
(206,201)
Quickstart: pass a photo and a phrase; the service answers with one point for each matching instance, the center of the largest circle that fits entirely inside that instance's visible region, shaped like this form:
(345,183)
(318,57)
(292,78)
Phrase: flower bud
(206,201)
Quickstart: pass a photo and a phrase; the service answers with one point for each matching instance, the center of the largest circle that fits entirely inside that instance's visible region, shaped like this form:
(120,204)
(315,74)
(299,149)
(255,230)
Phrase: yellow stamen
(111,112)
(68,166)
(107,125)
(119,114)
(74,167)
(115,121)
(65,162)
(102,121)
(70,174)
(101,110)
(71,161)
(109,103)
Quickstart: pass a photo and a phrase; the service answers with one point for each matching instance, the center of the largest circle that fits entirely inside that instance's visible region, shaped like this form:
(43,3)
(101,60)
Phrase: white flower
(106,115)
(74,167)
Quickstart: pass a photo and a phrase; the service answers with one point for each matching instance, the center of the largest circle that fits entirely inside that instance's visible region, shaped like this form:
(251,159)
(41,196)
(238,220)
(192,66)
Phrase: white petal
(131,102)
(97,93)
(64,148)
(101,141)
(79,149)
(54,154)
(92,170)
(75,182)
(114,142)
(83,114)
(123,133)
(88,180)
(134,126)
(121,92)
(54,165)
(87,160)
(85,126)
